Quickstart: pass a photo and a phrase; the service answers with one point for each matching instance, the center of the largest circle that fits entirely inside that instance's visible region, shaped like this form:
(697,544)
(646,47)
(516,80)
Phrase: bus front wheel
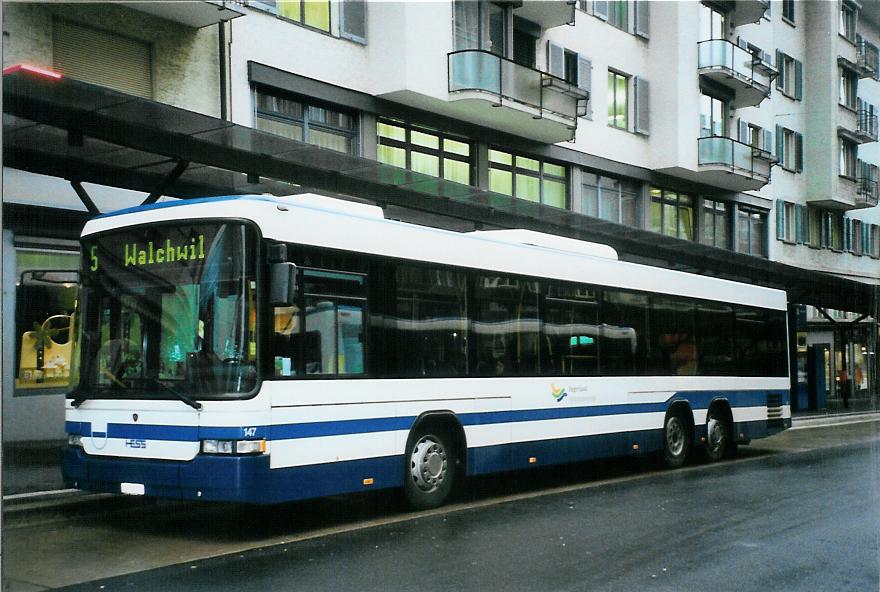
(677,441)
(430,470)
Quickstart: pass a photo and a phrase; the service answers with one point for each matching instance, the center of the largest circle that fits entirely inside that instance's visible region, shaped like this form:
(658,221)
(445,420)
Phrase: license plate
(132,488)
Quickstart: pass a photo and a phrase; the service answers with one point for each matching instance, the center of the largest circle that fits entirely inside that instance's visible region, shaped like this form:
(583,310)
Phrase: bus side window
(333,328)
(286,339)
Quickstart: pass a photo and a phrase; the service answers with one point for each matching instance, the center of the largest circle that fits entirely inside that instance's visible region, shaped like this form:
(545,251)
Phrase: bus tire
(677,440)
(430,469)
(719,435)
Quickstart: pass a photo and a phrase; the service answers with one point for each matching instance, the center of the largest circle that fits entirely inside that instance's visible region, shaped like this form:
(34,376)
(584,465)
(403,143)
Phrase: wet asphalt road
(782,521)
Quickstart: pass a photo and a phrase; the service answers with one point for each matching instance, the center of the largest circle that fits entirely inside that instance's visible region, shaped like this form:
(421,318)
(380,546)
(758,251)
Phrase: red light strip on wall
(45,72)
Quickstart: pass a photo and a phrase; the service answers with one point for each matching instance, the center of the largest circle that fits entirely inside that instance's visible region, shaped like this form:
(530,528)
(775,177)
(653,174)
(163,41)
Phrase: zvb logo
(558,393)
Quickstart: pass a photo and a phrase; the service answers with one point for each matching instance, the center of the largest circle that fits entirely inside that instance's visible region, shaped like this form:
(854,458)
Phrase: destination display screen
(169,309)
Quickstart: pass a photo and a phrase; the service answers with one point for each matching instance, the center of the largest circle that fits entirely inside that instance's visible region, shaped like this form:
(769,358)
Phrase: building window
(102,58)
(715,223)
(615,200)
(672,213)
(751,232)
(787,222)
(713,116)
(483,25)
(849,84)
(528,178)
(298,120)
(832,230)
(847,159)
(790,149)
(814,227)
(312,13)
(788,10)
(618,14)
(848,21)
(791,76)
(856,237)
(424,150)
(618,100)
(45,303)
(712,23)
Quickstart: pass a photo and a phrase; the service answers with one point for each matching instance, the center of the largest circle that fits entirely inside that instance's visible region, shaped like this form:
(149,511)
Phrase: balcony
(547,13)
(866,192)
(499,93)
(858,126)
(746,12)
(735,68)
(868,59)
(197,15)
(727,163)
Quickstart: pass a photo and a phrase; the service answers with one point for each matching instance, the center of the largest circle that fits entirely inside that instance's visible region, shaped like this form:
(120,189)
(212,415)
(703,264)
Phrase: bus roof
(356,227)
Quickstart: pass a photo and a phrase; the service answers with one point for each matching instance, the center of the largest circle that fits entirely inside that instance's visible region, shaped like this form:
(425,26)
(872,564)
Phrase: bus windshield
(168,311)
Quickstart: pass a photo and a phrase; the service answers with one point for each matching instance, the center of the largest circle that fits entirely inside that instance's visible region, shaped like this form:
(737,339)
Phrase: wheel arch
(449,423)
(682,408)
(722,405)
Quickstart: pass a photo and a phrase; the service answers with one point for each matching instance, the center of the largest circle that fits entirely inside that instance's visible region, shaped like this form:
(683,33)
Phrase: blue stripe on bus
(697,400)
(250,479)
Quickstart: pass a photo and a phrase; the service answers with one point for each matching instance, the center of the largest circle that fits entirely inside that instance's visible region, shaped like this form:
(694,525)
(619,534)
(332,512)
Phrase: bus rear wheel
(718,436)
(430,470)
(677,441)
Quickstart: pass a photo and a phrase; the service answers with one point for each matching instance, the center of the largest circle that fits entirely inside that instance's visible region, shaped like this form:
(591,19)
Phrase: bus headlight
(233,446)
(75,440)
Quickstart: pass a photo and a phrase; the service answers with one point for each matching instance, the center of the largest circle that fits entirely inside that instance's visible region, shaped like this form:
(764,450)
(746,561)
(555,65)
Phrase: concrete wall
(186,72)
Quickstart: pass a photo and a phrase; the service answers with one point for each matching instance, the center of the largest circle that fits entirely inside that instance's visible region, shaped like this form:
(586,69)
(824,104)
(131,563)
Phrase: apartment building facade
(749,126)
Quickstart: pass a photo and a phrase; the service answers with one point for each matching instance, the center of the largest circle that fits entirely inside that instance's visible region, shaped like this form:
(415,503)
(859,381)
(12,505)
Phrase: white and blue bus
(261,349)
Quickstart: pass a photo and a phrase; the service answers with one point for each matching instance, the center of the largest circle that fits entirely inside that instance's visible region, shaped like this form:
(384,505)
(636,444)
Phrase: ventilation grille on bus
(774,410)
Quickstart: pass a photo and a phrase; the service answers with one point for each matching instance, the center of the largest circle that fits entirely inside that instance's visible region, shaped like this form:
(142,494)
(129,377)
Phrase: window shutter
(555,59)
(353,20)
(780,219)
(642,106)
(780,63)
(585,73)
(642,18)
(798,80)
(780,145)
(742,130)
(866,239)
(847,234)
(768,141)
(798,152)
(102,58)
(800,223)
(600,9)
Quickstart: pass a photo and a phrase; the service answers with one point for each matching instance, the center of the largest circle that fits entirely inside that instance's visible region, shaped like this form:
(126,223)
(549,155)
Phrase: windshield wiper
(79,400)
(194,404)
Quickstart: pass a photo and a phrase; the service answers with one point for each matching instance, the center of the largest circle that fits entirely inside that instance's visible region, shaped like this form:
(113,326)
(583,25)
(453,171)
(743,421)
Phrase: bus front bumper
(206,477)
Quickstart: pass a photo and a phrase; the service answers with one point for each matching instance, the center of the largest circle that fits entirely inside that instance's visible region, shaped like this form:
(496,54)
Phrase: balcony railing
(866,192)
(736,68)
(868,63)
(867,125)
(739,158)
(477,70)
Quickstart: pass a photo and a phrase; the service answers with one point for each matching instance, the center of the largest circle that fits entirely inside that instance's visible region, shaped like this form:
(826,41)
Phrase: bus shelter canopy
(86,133)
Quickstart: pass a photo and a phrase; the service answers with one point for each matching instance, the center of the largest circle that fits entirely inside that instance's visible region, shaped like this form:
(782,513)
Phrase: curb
(815,421)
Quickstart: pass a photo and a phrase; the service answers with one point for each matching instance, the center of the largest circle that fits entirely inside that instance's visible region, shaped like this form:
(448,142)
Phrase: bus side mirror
(282,284)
